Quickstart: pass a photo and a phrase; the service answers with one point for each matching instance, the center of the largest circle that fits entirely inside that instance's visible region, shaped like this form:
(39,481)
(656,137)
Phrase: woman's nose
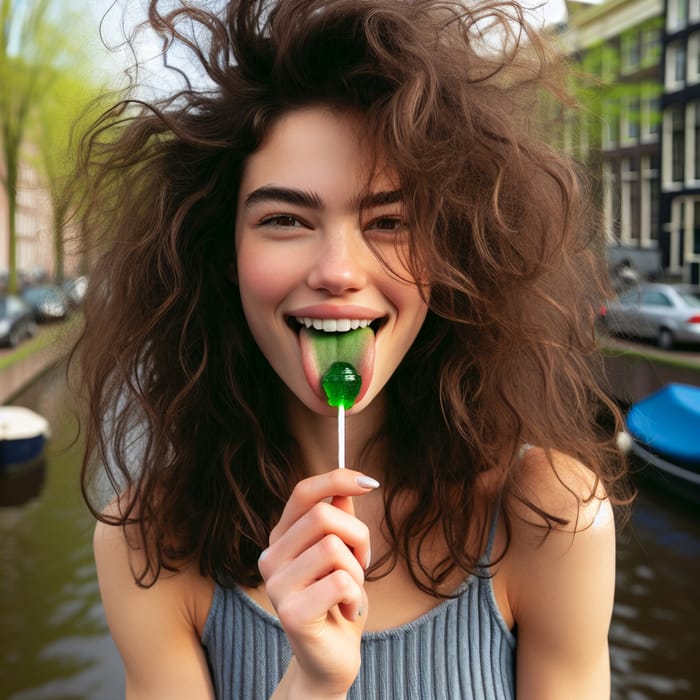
(341,263)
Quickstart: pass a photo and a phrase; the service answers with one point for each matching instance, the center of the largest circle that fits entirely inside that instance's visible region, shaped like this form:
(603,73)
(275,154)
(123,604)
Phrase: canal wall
(631,375)
(15,378)
(54,346)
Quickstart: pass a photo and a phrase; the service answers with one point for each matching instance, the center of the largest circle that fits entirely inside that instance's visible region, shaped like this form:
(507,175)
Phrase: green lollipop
(341,384)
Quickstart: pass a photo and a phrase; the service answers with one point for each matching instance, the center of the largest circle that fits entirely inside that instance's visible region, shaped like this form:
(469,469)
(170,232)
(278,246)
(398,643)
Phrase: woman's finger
(323,519)
(308,492)
(328,555)
(306,611)
(343,503)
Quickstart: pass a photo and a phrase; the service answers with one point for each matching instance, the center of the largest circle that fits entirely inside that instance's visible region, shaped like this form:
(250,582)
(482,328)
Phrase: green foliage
(61,119)
(619,84)
(42,64)
(22,83)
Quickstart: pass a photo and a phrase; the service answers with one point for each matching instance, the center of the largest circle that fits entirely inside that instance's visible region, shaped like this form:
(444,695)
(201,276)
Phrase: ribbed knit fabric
(460,650)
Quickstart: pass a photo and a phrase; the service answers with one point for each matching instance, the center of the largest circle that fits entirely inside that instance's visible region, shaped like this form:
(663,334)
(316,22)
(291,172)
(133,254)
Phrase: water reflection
(54,641)
(53,638)
(654,636)
(21,486)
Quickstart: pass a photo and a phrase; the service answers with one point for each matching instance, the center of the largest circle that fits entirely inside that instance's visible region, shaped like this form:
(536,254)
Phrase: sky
(542,12)
(551,11)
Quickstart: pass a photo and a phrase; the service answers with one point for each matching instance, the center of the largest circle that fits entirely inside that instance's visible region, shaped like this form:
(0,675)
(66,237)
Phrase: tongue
(320,350)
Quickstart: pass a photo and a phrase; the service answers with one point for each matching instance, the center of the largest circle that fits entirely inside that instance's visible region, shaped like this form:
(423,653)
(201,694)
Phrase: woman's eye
(281,221)
(390,224)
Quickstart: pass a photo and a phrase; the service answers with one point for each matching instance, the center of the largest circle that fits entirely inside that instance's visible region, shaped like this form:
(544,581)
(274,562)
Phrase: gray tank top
(459,650)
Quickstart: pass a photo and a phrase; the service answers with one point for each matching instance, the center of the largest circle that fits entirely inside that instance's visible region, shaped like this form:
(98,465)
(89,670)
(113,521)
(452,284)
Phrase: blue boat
(23,438)
(664,428)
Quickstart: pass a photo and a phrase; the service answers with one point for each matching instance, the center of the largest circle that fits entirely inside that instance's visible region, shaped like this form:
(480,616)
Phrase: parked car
(665,313)
(75,289)
(49,302)
(16,320)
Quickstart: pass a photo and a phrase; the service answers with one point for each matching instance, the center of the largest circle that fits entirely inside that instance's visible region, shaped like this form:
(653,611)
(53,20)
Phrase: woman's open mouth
(324,341)
(333,325)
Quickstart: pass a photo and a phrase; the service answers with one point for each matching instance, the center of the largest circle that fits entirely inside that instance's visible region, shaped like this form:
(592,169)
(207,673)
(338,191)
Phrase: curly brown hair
(181,414)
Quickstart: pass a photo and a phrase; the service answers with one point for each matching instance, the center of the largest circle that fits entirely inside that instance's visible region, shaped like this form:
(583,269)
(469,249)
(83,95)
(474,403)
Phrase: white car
(666,313)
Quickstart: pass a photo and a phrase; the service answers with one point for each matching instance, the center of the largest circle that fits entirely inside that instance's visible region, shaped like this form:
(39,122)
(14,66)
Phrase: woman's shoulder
(155,625)
(121,558)
(557,513)
(561,537)
(555,491)
(557,576)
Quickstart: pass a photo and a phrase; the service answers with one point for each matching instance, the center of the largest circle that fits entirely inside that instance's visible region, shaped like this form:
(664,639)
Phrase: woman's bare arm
(561,589)
(153,628)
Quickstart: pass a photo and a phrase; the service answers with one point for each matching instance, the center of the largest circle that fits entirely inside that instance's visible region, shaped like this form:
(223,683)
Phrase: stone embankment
(20,373)
(634,371)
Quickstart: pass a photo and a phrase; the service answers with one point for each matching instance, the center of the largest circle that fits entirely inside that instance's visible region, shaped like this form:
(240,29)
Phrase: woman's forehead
(319,147)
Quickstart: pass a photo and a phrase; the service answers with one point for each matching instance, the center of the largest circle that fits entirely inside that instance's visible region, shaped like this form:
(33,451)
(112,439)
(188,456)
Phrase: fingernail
(368,559)
(263,554)
(367,482)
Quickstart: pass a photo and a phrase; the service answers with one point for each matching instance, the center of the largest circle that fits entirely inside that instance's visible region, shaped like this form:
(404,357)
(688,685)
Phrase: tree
(64,113)
(20,83)
(619,93)
(35,49)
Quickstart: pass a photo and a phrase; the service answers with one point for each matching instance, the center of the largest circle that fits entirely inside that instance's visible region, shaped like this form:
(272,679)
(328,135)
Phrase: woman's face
(308,220)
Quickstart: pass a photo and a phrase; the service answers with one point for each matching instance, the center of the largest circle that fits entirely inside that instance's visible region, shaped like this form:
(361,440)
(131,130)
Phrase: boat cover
(19,423)
(667,422)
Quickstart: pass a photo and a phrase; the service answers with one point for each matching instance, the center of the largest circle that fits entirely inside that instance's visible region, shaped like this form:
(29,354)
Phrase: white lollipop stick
(341,436)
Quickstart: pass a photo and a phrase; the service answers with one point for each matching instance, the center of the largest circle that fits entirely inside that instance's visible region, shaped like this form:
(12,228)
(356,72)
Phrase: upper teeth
(333,325)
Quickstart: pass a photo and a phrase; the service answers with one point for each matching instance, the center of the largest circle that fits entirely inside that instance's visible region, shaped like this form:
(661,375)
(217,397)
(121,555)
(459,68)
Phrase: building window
(693,138)
(677,145)
(629,201)
(694,11)
(655,194)
(650,116)
(629,52)
(611,124)
(630,120)
(693,58)
(677,17)
(651,45)
(675,66)
(615,200)
(609,63)
(673,149)
(679,64)
(649,201)
(696,227)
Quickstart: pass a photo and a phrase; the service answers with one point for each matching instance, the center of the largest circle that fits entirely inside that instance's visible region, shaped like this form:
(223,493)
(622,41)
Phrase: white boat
(23,437)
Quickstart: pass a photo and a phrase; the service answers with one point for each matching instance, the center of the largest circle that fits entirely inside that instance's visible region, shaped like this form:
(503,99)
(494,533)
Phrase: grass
(49,335)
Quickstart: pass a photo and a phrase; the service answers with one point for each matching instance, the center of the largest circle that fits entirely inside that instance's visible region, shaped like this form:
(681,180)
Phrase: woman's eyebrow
(378,199)
(310,200)
(286,195)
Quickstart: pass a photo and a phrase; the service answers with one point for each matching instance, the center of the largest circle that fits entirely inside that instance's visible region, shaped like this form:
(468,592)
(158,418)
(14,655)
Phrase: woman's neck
(317,437)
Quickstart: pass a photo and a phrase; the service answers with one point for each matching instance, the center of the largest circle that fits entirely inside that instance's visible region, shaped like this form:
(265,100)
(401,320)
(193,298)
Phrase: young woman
(358,175)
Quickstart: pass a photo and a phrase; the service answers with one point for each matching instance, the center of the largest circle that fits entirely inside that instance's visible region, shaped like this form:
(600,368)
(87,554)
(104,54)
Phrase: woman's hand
(314,577)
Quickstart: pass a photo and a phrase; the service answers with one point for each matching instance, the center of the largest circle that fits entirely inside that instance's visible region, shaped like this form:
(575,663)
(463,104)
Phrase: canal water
(54,642)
